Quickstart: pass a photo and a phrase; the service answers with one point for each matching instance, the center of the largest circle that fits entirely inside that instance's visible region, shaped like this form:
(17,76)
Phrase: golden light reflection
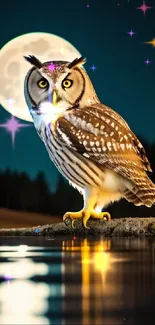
(99,262)
(95,262)
(106,277)
(85,255)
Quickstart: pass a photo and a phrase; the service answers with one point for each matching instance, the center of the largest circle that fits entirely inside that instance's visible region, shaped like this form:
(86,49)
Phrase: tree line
(19,192)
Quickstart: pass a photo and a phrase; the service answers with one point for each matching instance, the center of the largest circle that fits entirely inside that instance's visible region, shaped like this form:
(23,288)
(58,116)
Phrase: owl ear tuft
(34,61)
(77,62)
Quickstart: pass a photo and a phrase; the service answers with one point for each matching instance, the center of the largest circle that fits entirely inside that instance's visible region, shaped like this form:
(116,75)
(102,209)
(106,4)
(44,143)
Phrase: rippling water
(77,281)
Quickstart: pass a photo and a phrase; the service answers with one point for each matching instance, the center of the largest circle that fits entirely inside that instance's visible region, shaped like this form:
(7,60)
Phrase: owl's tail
(142,193)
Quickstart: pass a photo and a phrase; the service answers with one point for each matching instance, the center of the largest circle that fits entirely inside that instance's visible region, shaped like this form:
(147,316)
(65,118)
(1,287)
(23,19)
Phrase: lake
(82,281)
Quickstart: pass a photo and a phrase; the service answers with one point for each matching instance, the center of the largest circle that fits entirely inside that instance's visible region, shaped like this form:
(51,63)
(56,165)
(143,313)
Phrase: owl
(89,143)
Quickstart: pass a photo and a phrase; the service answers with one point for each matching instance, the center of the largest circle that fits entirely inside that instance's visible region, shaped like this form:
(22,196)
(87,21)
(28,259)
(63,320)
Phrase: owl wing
(102,135)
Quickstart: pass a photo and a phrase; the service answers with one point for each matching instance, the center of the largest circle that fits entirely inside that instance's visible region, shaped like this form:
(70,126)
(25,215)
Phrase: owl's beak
(54,98)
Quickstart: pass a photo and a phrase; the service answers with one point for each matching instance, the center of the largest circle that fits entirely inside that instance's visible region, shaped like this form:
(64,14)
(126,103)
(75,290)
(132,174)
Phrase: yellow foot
(101,215)
(73,216)
(85,215)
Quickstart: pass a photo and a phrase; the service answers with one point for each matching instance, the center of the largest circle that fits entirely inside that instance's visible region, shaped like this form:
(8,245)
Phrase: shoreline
(123,227)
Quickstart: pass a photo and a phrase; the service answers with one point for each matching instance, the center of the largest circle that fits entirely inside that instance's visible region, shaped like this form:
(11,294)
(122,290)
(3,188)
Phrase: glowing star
(131,33)
(52,66)
(144,7)
(151,42)
(147,61)
(88,6)
(12,125)
(93,68)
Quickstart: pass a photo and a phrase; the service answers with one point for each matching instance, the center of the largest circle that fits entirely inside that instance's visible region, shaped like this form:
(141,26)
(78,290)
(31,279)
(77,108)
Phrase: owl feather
(102,136)
(34,61)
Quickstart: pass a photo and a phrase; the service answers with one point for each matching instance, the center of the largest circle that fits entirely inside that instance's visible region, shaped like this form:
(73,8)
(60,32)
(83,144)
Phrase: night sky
(124,74)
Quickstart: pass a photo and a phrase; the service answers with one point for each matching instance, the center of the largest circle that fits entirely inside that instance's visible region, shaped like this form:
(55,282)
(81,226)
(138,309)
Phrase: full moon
(13,67)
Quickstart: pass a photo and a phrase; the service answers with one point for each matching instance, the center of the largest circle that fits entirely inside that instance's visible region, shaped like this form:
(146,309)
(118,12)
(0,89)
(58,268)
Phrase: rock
(115,227)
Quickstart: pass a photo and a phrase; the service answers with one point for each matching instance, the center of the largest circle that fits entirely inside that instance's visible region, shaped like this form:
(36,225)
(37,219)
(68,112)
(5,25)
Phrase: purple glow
(144,7)
(93,68)
(8,277)
(147,61)
(88,5)
(12,125)
(131,33)
(52,66)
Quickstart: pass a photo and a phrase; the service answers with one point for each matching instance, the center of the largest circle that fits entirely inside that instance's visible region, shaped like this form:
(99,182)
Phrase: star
(12,125)
(144,7)
(88,6)
(93,68)
(147,61)
(151,42)
(52,66)
(131,33)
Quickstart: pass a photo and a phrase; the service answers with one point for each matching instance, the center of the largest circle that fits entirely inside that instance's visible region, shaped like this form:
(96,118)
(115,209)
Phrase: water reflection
(77,281)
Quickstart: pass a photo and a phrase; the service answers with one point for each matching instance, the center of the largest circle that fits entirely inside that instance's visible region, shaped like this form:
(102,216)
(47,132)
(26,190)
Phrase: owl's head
(57,86)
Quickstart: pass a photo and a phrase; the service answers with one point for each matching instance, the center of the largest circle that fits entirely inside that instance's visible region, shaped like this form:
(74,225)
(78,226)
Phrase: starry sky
(116,37)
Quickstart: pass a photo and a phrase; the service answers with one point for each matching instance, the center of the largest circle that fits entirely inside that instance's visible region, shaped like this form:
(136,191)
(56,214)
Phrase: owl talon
(66,221)
(85,225)
(101,215)
(73,216)
(85,215)
(85,219)
(73,221)
(106,216)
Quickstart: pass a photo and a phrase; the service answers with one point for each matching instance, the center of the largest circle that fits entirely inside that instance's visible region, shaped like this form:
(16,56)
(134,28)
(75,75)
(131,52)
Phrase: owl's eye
(42,83)
(67,83)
